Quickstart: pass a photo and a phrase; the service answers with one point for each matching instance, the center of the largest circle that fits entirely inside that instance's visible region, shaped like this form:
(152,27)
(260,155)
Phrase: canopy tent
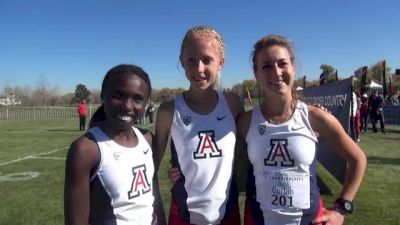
(373,85)
(299,88)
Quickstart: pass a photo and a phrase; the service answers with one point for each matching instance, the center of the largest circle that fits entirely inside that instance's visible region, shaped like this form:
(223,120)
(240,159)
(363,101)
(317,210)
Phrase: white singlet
(205,149)
(122,187)
(283,157)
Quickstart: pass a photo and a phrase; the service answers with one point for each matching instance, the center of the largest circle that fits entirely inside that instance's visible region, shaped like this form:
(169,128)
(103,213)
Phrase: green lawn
(38,147)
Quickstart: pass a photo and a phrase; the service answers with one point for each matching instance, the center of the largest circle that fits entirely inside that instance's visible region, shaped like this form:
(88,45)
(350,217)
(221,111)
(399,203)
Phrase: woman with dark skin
(110,171)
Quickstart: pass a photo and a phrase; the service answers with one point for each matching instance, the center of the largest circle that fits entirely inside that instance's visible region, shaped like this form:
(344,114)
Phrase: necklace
(282,119)
(279,121)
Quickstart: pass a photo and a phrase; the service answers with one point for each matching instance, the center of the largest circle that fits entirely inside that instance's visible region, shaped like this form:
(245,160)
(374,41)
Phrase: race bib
(287,189)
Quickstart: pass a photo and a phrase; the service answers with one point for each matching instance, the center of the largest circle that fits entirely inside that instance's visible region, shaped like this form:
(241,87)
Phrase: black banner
(384,80)
(336,97)
(364,72)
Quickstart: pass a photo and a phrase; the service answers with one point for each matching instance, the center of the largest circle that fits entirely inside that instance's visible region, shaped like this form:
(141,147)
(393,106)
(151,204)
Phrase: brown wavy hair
(269,41)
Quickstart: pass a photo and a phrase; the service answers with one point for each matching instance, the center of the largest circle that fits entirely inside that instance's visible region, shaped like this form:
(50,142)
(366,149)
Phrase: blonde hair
(204,31)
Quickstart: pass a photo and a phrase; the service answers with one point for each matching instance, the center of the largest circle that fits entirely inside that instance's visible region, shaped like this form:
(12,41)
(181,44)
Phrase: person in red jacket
(364,111)
(82,114)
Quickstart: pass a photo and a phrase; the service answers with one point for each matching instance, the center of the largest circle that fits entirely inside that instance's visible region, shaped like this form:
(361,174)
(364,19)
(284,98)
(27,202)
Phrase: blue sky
(64,43)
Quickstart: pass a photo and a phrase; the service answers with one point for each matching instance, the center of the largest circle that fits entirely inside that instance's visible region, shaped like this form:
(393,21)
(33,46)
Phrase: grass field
(32,158)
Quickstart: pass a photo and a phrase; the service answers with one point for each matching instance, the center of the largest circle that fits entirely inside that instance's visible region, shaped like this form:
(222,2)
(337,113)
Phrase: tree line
(45,95)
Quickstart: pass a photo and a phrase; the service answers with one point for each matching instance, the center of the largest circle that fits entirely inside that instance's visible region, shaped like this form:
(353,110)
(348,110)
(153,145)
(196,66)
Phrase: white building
(9,100)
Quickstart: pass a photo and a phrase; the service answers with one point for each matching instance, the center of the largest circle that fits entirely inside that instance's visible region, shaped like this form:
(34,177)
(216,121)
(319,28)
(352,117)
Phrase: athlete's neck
(201,101)
(125,137)
(278,110)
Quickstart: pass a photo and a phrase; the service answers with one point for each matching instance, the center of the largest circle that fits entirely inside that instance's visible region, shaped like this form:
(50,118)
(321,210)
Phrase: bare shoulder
(243,123)
(234,103)
(245,117)
(314,111)
(166,108)
(165,114)
(84,150)
(232,98)
(163,125)
(148,135)
(84,144)
(321,120)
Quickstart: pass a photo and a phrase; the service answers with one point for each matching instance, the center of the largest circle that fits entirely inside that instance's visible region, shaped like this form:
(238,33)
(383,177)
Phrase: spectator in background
(395,100)
(150,111)
(364,111)
(357,119)
(82,114)
(143,118)
(376,111)
(355,131)
(398,99)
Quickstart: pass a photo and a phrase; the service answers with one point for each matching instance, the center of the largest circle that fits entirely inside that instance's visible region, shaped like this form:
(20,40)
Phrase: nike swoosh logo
(297,128)
(221,118)
(146,151)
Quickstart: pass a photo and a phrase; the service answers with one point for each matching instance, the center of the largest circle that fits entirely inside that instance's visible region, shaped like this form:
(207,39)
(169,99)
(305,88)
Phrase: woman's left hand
(330,217)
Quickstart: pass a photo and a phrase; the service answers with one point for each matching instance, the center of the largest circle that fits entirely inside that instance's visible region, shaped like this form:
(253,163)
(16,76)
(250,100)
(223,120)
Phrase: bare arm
(82,156)
(158,204)
(241,159)
(235,105)
(329,128)
(162,131)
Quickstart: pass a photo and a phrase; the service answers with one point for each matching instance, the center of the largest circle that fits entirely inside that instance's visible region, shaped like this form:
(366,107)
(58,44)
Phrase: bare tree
(250,87)
(41,92)
(8,90)
(329,73)
(45,95)
(23,94)
(376,71)
(67,99)
(95,97)
(166,94)
(54,97)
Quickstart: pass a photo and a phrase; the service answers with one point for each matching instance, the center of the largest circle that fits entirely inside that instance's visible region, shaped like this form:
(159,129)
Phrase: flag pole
(384,79)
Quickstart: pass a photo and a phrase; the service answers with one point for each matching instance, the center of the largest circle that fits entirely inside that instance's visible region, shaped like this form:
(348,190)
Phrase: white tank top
(282,156)
(126,175)
(205,149)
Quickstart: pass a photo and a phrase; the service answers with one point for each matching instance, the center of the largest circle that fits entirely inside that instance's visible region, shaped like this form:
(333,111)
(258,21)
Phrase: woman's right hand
(174,174)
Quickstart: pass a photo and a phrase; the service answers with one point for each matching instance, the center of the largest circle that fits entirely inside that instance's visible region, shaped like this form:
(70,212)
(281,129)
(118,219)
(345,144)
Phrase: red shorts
(250,214)
(174,219)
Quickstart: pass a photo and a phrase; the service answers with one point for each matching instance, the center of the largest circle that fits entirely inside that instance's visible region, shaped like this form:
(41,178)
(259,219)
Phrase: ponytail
(97,117)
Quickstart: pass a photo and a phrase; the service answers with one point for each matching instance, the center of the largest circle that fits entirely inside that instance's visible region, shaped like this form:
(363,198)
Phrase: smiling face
(125,99)
(202,62)
(202,57)
(274,70)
